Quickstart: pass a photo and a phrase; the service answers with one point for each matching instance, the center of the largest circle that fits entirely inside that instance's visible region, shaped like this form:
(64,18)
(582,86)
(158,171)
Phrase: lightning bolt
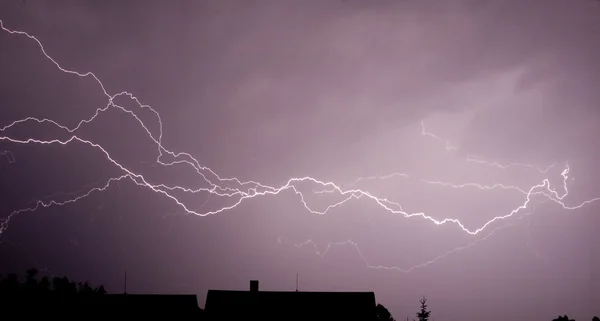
(448,145)
(239,191)
(8,155)
(356,247)
(473,159)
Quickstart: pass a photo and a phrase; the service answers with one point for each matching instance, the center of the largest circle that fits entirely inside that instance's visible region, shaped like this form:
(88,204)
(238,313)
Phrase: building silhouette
(176,306)
(289,305)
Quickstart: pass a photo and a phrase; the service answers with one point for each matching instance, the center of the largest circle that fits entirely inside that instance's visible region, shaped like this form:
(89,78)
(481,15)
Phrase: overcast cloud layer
(336,90)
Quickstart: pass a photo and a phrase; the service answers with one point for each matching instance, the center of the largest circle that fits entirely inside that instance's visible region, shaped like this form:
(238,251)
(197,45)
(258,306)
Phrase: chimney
(253,285)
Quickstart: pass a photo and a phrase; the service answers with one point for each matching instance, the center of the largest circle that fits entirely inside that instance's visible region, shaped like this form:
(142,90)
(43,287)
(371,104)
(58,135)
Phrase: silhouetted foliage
(33,291)
(563,318)
(424,314)
(595,319)
(382,313)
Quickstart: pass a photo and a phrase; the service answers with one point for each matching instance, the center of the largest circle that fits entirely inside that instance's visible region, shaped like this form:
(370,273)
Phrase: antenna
(125,284)
(296,282)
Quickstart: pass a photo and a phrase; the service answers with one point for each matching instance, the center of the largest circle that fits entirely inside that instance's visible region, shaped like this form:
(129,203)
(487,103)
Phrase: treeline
(45,291)
(382,313)
(566,318)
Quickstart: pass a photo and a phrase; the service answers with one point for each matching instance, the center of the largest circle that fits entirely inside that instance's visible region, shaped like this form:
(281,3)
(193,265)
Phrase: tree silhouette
(44,285)
(44,291)
(424,314)
(595,319)
(31,281)
(382,313)
(563,318)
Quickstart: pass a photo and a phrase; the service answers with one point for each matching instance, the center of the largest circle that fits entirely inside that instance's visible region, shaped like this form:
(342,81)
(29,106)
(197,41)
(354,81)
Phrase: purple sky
(267,91)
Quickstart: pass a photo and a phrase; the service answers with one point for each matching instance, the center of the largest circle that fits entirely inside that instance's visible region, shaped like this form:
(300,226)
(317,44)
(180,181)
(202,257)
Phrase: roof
(154,301)
(178,307)
(292,305)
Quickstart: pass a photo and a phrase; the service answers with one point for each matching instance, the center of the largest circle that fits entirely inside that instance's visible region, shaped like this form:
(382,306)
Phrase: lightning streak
(330,245)
(451,147)
(353,244)
(8,155)
(496,164)
(237,190)
(446,142)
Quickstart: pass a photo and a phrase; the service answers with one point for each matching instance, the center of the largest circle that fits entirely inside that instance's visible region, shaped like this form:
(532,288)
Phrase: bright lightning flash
(240,191)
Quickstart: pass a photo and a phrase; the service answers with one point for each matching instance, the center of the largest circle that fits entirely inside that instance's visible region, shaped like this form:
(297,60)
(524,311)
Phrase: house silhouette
(289,305)
(177,307)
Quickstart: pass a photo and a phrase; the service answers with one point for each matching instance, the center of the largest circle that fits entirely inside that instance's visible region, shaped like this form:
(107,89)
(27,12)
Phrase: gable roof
(290,305)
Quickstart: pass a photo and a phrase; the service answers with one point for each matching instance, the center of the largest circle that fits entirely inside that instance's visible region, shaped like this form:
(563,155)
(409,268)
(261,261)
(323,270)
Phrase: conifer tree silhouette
(424,314)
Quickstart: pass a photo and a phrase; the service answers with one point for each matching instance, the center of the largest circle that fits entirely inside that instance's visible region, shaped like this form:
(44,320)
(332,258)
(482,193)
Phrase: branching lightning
(239,191)
(322,253)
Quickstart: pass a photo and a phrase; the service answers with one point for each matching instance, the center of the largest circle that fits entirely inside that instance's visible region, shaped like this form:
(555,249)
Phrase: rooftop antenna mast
(125,284)
(296,282)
